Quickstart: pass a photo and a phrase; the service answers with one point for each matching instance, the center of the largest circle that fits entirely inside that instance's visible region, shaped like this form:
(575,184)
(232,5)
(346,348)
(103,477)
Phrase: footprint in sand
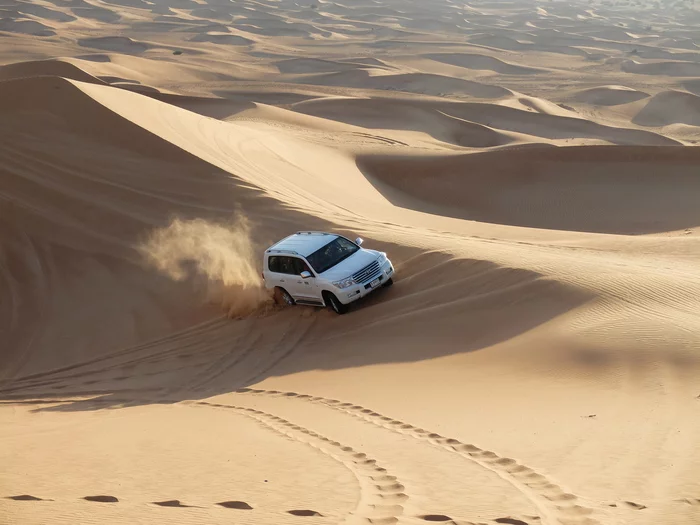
(26,497)
(435,517)
(240,505)
(304,512)
(629,504)
(171,503)
(510,521)
(102,499)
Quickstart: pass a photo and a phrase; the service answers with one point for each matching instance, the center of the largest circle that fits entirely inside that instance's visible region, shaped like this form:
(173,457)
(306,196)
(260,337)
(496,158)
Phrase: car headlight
(344,283)
(382,258)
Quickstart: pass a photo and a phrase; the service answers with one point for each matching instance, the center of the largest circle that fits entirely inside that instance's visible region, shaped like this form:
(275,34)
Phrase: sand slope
(534,363)
(473,61)
(670,107)
(589,188)
(609,96)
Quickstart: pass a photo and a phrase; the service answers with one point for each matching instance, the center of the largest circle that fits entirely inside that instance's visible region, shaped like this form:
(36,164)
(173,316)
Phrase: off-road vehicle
(324,269)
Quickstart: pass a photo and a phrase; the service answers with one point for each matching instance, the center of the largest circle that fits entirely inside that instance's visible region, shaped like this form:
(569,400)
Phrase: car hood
(352,264)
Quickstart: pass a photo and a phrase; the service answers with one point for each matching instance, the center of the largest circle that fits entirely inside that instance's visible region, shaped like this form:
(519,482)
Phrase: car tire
(283,297)
(334,304)
(389,282)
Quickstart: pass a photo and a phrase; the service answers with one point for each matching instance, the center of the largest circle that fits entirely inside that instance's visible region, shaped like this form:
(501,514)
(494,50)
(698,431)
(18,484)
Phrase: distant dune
(40,11)
(410,82)
(309,65)
(482,62)
(376,113)
(592,188)
(25,26)
(116,44)
(511,44)
(693,86)
(37,68)
(675,69)
(670,107)
(221,38)
(609,96)
(100,13)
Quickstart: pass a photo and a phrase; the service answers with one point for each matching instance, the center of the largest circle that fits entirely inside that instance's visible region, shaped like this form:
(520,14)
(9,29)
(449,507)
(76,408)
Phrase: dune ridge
(546,126)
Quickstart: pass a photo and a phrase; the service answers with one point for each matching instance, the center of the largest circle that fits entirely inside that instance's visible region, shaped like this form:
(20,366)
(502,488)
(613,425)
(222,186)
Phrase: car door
(281,270)
(302,289)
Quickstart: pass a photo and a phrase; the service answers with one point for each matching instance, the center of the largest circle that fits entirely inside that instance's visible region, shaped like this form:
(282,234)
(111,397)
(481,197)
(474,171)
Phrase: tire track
(555,504)
(285,347)
(137,355)
(381,494)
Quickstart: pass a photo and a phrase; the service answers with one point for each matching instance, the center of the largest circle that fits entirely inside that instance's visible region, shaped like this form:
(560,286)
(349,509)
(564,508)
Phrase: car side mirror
(359,241)
(305,274)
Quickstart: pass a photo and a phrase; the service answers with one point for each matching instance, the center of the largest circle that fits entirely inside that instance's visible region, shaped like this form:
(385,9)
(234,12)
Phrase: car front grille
(364,275)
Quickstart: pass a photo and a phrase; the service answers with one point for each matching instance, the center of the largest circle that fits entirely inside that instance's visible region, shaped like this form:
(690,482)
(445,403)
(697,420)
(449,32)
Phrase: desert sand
(530,167)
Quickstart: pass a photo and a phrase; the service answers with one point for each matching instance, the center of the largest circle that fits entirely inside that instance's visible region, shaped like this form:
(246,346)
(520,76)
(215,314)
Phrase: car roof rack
(312,232)
(276,250)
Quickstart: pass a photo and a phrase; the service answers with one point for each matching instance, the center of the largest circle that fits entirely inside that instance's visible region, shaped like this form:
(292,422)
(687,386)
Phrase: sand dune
(383,115)
(670,107)
(693,86)
(472,61)
(372,113)
(676,69)
(609,96)
(309,65)
(218,13)
(40,11)
(278,28)
(25,26)
(221,38)
(410,82)
(511,44)
(575,188)
(58,68)
(535,361)
(116,44)
(87,118)
(101,13)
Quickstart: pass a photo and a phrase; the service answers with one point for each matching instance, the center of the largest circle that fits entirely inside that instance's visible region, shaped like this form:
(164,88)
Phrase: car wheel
(389,282)
(335,305)
(282,297)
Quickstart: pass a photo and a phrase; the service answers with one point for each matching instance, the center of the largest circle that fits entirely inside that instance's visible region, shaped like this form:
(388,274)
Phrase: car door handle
(281,280)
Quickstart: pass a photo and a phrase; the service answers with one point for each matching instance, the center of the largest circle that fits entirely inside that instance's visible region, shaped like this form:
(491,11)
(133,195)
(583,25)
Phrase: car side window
(287,265)
(300,266)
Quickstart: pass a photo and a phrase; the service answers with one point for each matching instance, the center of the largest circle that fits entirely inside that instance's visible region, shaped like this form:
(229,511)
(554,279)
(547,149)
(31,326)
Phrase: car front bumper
(357,291)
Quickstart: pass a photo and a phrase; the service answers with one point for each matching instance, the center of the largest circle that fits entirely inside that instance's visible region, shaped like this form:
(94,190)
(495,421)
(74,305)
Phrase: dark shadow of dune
(604,189)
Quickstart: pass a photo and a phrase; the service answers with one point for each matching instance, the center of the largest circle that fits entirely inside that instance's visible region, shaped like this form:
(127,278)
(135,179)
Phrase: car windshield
(331,254)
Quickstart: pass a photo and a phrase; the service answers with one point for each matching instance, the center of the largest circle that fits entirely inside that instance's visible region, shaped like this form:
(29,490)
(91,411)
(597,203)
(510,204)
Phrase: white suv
(324,269)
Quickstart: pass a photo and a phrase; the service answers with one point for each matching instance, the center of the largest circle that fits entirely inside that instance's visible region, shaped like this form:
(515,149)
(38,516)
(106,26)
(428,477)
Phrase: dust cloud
(218,259)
